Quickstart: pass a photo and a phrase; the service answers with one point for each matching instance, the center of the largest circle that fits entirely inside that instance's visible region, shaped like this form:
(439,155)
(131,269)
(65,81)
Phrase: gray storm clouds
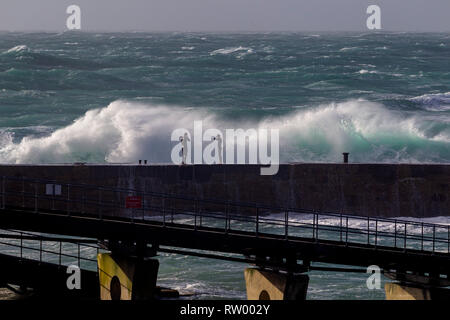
(221,15)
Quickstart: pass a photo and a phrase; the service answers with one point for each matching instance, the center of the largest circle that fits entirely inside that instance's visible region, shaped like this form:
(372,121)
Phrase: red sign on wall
(133,202)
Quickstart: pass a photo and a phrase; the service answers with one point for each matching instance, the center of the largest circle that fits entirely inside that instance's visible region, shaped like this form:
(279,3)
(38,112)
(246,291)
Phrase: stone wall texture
(388,190)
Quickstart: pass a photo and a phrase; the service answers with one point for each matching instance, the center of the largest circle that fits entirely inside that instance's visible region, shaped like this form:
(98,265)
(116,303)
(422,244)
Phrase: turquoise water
(202,278)
(117,97)
(383,97)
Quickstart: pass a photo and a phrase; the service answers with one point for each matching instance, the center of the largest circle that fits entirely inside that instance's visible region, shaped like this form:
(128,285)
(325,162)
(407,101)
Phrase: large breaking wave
(125,131)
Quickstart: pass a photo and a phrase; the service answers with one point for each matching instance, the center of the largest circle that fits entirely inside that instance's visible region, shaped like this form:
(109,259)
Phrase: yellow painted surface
(108,268)
(257,281)
(395,291)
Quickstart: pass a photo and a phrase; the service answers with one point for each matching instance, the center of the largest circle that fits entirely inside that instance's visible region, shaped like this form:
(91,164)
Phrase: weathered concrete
(268,285)
(389,190)
(125,278)
(397,291)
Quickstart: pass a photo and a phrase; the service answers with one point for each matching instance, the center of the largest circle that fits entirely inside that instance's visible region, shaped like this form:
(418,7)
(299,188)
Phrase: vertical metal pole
(448,239)
(422,236)
(434,236)
(226,218)
(79,260)
(346,230)
(60,252)
(376,232)
(21,245)
(317,227)
(368,230)
(286,223)
(40,250)
(340,227)
(257,221)
(395,234)
(404,244)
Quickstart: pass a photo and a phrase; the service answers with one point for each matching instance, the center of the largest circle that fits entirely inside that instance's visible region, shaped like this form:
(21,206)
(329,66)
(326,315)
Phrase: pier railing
(134,206)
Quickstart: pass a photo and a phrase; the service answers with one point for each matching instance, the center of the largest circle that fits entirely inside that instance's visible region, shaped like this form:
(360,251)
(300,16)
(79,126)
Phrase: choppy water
(73,97)
(117,97)
(202,278)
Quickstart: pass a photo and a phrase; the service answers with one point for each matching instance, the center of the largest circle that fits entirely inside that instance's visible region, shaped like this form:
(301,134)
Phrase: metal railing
(290,224)
(50,249)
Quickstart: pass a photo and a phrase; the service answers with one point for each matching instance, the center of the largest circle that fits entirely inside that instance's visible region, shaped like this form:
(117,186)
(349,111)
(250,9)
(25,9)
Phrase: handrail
(260,220)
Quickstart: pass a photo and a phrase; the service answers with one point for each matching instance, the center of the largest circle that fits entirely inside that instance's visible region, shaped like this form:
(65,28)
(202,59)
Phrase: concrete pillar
(269,285)
(398,291)
(125,278)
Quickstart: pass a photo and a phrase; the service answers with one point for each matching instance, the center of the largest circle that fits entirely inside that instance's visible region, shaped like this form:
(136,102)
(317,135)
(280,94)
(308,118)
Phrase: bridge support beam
(269,285)
(400,291)
(126,278)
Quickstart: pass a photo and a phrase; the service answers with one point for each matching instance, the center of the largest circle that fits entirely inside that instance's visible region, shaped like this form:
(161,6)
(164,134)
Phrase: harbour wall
(382,190)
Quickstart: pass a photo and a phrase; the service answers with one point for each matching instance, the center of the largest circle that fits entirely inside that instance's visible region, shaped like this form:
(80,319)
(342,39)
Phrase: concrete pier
(388,190)
(269,285)
(399,291)
(127,278)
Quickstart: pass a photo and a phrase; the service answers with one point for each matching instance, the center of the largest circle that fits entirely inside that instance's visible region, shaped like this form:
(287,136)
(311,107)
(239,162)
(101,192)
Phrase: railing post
(340,227)
(422,235)
(286,223)
(257,221)
(21,245)
(368,230)
(79,260)
(226,218)
(404,242)
(376,232)
(60,252)
(434,236)
(395,233)
(346,231)
(40,250)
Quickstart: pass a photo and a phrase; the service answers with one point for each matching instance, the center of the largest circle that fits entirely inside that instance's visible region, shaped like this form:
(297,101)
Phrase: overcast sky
(225,15)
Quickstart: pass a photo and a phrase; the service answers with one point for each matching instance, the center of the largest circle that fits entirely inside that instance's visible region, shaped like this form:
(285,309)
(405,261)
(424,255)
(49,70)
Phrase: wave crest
(127,131)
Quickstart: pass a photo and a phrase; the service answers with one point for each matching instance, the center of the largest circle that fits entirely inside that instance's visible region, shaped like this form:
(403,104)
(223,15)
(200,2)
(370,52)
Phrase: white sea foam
(231,50)
(364,71)
(18,49)
(126,131)
(434,102)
